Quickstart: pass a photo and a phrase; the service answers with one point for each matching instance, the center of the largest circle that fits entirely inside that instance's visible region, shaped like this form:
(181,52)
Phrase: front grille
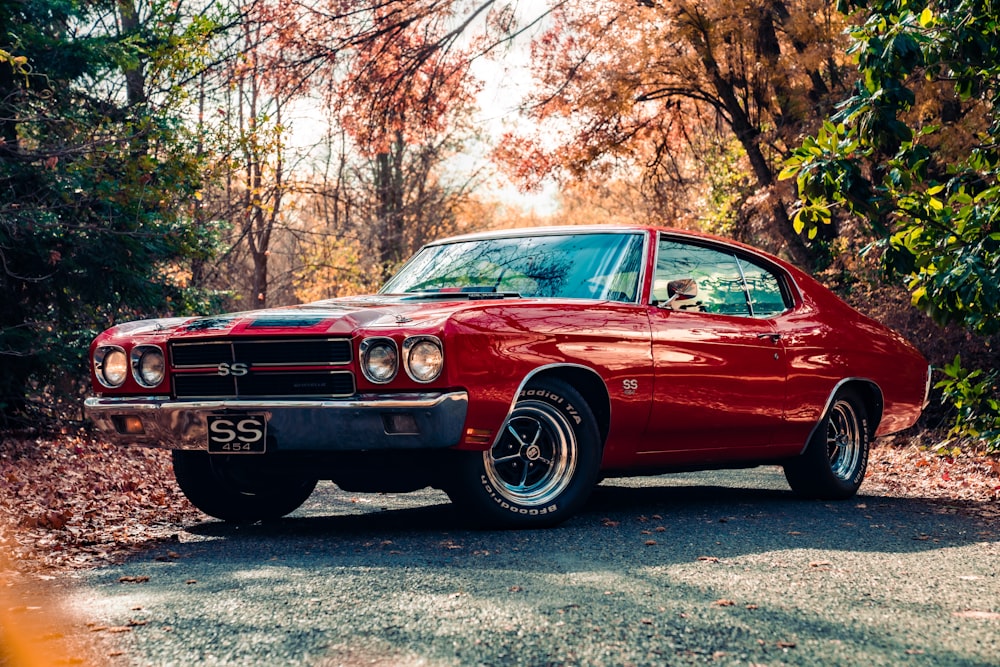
(299,352)
(204,386)
(197,355)
(262,368)
(296,384)
(325,384)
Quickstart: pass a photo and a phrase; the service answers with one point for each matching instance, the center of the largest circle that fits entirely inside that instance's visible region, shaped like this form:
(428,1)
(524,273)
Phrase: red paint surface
(675,387)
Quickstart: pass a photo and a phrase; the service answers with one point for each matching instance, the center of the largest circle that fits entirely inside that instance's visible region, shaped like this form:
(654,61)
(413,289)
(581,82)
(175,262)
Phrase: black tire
(836,458)
(233,489)
(542,468)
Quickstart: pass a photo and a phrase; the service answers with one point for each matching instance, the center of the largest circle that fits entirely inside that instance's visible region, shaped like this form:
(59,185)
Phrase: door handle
(775,337)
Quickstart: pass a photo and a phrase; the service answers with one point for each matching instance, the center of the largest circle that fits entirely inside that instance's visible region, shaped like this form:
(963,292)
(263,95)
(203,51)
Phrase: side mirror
(682,294)
(684,288)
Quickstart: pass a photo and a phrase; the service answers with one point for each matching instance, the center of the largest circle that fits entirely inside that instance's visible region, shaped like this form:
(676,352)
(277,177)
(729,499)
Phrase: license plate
(237,434)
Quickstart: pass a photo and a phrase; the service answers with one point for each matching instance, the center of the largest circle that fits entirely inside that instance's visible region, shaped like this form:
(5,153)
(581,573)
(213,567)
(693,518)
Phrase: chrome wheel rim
(534,460)
(844,440)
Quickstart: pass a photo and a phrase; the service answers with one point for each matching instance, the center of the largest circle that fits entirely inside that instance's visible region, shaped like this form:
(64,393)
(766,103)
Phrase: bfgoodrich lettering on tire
(542,467)
(836,458)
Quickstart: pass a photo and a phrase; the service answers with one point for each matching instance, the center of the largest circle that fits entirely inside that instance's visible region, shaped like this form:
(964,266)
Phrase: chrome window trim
(542,231)
(741,255)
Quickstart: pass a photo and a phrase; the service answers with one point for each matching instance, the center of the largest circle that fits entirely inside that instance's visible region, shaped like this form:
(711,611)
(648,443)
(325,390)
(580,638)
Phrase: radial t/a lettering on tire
(542,466)
(834,463)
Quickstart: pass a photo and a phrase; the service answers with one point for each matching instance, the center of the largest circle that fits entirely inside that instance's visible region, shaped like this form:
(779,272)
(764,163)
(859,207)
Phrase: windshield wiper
(469,293)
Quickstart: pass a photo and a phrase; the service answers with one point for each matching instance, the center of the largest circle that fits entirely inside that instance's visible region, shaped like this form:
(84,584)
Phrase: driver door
(719,372)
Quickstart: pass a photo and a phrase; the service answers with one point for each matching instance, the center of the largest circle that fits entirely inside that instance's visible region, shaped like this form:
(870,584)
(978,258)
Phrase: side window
(766,296)
(699,279)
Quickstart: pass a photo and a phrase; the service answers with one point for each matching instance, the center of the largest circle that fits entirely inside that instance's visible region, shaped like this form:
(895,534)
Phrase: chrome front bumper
(396,421)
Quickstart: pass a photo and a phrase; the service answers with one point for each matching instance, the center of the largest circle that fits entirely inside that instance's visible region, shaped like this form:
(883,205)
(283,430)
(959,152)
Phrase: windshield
(570,266)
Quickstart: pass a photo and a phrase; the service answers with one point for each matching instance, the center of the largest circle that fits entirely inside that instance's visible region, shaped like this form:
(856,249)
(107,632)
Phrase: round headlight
(148,365)
(112,366)
(424,358)
(379,360)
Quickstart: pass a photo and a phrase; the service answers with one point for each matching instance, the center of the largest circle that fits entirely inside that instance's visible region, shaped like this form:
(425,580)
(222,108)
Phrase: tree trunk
(749,137)
(389,190)
(135,79)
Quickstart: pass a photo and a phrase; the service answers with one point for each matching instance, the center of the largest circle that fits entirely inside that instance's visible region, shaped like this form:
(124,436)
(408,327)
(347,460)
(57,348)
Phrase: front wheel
(542,467)
(238,490)
(836,458)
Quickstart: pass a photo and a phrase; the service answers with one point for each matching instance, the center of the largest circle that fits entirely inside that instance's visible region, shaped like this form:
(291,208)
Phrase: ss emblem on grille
(232,369)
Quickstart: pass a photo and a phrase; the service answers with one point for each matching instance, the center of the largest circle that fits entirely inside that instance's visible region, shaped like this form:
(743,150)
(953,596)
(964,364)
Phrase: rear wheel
(542,467)
(234,489)
(836,458)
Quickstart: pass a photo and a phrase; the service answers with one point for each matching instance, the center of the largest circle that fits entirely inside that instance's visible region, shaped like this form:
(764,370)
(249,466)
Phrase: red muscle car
(514,370)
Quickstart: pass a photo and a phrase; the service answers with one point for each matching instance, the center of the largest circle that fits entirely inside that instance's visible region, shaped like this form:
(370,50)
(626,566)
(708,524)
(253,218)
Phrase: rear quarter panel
(827,342)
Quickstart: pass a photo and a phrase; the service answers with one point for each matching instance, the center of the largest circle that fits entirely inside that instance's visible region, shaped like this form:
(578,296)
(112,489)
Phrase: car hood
(338,317)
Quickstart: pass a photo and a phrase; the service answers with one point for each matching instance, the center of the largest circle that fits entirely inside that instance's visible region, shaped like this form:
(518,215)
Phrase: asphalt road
(723,568)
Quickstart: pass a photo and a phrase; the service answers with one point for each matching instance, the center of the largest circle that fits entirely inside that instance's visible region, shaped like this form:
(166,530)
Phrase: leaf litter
(72,500)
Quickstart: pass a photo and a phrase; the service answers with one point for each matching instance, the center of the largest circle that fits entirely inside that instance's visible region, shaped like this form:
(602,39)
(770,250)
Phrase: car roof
(607,229)
(798,275)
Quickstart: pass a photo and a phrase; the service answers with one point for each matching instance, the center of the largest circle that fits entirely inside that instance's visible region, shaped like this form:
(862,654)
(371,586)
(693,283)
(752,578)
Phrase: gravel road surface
(725,568)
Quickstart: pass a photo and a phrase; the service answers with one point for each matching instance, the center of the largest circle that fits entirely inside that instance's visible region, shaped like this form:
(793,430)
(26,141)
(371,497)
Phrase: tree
(402,103)
(915,152)
(649,87)
(252,89)
(95,170)
(388,88)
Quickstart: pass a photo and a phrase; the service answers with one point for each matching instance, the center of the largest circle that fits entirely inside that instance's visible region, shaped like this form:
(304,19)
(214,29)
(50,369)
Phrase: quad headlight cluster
(422,359)
(146,364)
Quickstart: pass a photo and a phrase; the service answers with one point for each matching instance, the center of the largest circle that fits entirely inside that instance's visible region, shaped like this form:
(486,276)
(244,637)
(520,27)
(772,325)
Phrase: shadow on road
(753,519)
(702,568)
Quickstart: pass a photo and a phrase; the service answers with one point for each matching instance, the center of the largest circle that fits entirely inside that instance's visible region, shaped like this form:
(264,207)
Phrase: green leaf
(790,171)
(797,223)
